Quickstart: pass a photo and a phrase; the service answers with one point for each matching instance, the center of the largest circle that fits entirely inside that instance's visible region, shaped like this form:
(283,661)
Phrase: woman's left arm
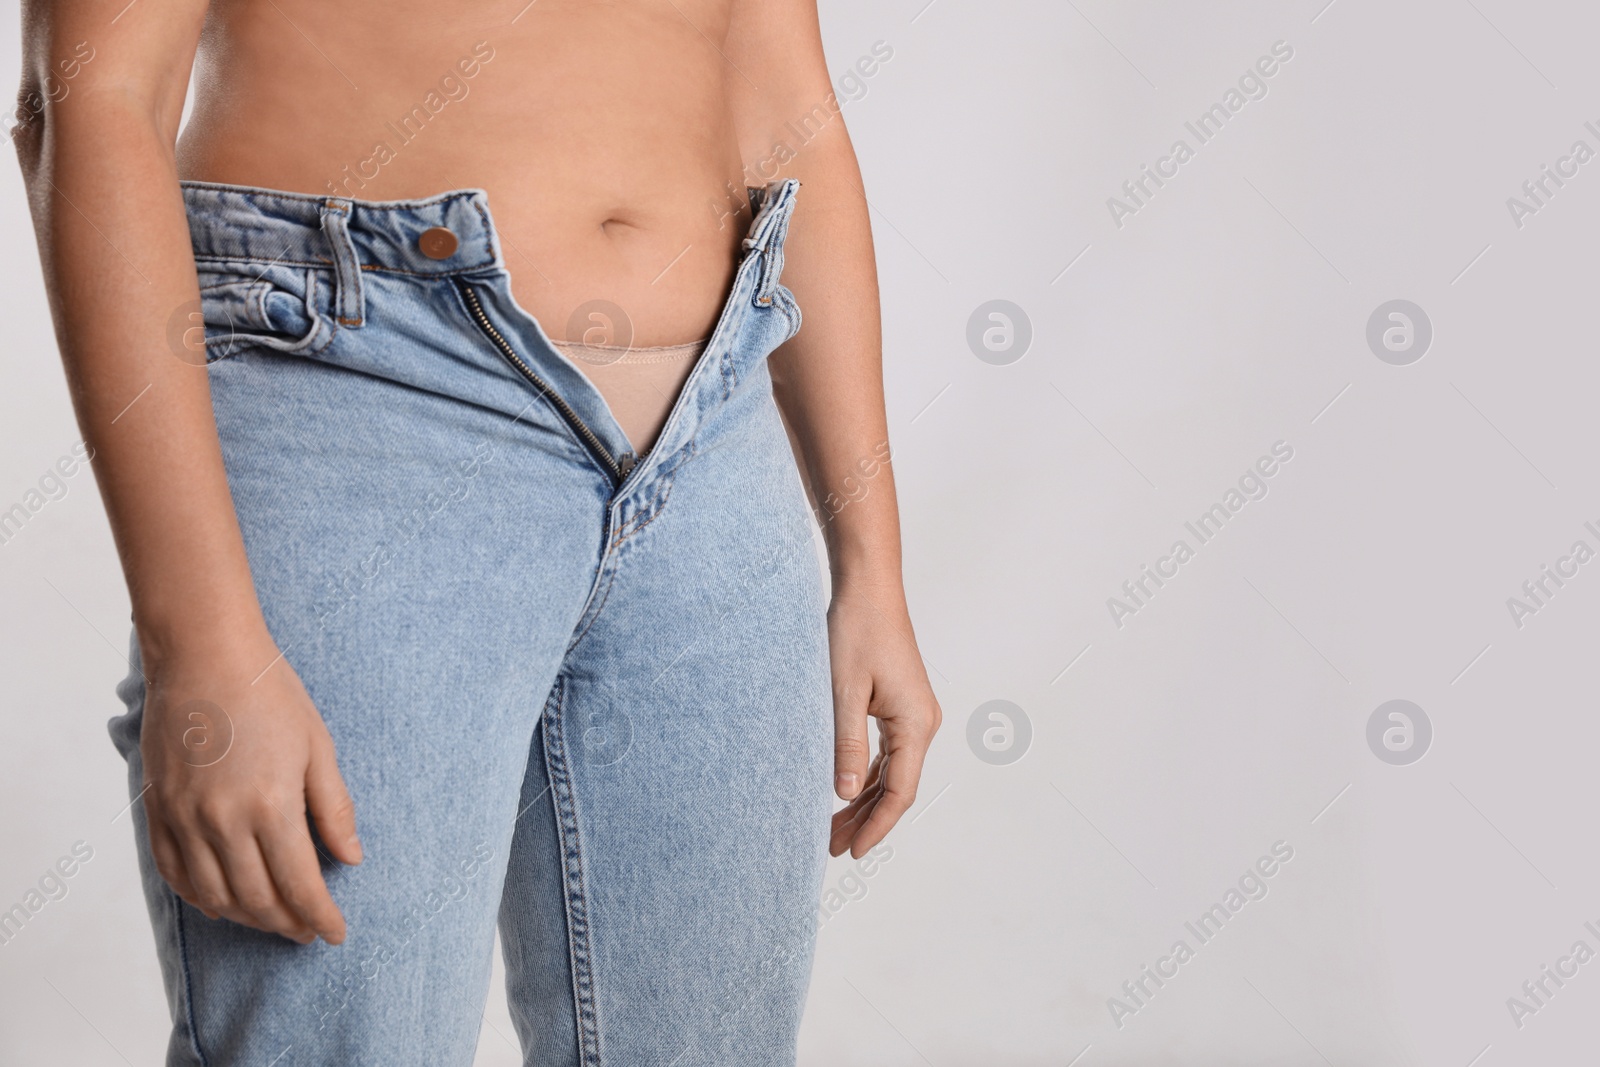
(828,381)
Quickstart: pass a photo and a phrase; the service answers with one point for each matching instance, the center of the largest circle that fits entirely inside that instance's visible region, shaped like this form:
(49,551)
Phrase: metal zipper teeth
(595,444)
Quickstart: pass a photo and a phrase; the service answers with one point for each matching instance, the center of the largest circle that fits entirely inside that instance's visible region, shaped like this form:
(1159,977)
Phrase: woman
(480,531)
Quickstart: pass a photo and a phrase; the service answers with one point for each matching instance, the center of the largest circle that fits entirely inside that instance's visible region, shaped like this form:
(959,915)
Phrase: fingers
(169,857)
(847,823)
(292,861)
(253,866)
(901,773)
(330,805)
(209,885)
(848,819)
(850,748)
(892,784)
(256,894)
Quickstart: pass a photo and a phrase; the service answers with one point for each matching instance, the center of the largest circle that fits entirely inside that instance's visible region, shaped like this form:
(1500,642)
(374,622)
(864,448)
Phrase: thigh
(421,560)
(688,749)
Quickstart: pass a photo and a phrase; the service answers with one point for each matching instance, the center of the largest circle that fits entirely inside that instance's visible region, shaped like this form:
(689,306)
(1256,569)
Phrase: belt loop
(349,302)
(769,242)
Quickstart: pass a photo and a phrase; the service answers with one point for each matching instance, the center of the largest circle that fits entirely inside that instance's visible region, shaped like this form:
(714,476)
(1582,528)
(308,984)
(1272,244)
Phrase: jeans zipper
(619,470)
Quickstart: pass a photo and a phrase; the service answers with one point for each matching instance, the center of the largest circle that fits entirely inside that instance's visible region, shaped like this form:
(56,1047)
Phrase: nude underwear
(639,384)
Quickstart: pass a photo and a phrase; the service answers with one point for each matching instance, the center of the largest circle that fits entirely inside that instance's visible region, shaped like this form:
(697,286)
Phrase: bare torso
(600,130)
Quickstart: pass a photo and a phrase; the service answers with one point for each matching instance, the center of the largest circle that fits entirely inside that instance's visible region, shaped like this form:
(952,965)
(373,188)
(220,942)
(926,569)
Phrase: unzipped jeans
(578,696)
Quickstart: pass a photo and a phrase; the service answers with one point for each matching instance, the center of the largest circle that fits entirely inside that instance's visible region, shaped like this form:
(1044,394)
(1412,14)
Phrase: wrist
(878,580)
(221,639)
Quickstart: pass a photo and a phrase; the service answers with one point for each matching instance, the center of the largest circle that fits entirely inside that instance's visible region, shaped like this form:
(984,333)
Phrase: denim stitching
(201,258)
(251,195)
(730,377)
(578,947)
(451,272)
(593,612)
(412,205)
(647,514)
(188,984)
(648,509)
(771,244)
(769,230)
(488,230)
(347,264)
(260,300)
(665,476)
(311,306)
(654,515)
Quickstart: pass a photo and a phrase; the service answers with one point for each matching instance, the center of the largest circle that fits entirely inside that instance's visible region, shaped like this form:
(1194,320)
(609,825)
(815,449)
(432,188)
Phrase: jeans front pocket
(244,305)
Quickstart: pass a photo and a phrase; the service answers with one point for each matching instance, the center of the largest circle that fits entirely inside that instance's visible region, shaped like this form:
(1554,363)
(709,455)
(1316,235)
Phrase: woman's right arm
(96,140)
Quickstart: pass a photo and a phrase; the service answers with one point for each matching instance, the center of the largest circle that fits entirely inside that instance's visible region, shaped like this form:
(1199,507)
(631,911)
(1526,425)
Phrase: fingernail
(846,784)
(355,843)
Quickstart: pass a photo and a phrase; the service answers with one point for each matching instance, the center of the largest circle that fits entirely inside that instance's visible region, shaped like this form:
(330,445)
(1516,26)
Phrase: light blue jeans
(577,695)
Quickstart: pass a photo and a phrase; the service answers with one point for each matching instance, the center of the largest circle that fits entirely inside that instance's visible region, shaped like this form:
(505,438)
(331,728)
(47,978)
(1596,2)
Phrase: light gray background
(1231,711)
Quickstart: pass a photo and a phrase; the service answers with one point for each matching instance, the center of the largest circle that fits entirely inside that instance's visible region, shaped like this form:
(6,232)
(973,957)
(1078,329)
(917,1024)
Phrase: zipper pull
(625,463)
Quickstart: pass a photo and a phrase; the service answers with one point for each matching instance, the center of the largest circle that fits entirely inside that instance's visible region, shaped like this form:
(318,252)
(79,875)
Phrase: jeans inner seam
(579,950)
(188,982)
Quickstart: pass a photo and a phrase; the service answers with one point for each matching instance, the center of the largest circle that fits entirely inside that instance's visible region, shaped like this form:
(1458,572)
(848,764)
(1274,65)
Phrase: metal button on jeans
(437,243)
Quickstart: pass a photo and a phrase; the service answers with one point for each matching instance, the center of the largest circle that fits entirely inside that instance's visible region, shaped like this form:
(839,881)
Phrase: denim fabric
(576,696)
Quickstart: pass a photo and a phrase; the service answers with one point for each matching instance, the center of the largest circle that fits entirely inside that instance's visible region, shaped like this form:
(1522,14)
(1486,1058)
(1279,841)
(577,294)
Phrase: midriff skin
(602,133)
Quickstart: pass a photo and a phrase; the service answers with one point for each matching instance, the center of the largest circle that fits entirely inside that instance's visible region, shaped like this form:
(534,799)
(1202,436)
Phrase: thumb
(331,808)
(850,748)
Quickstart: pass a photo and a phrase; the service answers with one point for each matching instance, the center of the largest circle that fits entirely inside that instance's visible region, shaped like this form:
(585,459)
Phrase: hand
(877,671)
(234,762)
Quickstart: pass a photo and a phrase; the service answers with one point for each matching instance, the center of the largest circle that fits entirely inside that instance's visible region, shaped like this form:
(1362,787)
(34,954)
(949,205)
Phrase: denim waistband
(236,222)
(233,222)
